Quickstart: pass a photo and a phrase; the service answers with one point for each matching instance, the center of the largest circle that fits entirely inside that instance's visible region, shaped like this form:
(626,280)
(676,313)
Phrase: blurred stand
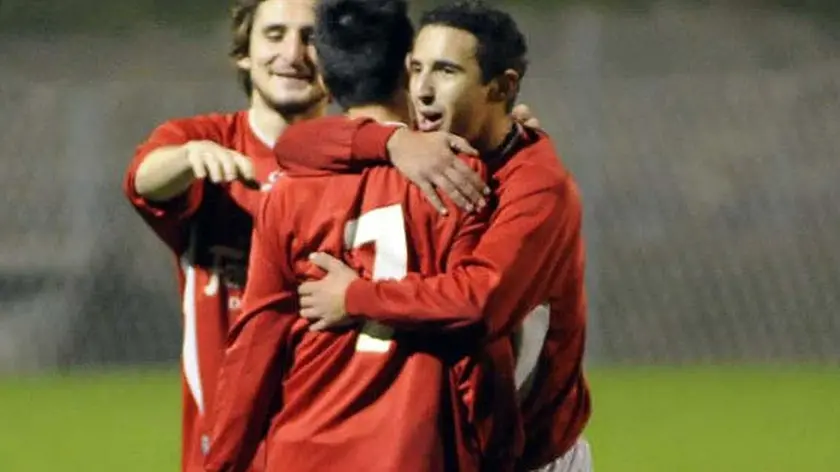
(701,135)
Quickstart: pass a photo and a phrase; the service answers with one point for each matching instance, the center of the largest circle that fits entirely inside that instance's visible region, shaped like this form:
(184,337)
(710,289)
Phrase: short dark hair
(500,44)
(361,47)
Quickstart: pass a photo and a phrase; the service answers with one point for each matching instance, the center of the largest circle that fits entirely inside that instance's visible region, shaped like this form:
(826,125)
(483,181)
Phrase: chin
(292,105)
(292,101)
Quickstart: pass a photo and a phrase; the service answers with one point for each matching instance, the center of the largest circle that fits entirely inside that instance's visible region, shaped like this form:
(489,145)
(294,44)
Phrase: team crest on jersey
(270,180)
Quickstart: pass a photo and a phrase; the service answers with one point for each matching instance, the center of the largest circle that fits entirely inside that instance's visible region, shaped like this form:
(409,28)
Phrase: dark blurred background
(704,134)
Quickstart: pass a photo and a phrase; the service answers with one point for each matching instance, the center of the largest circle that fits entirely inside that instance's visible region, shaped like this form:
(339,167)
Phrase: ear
(505,87)
(244,63)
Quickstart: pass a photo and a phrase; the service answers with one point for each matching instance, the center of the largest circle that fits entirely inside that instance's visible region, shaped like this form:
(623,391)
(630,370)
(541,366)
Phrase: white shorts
(577,459)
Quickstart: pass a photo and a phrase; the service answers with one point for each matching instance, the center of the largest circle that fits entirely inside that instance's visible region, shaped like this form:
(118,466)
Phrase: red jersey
(208,229)
(364,398)
(530,261)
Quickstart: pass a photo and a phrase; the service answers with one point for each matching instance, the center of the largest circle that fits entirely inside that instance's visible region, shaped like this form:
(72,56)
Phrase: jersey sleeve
(532,240)
(333,144)
(167,219)
(249,375)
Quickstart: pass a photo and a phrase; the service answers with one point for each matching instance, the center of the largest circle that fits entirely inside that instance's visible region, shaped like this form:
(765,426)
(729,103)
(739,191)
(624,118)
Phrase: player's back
(366,398)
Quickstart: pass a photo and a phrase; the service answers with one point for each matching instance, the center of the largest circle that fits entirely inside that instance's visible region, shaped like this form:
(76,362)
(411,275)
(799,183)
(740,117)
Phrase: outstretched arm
(429,160)
(165,181)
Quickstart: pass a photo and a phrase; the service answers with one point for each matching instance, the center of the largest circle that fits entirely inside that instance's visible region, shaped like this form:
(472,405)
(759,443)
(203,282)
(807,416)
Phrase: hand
(322,301)
(430,161)
(523,114)
(219,164)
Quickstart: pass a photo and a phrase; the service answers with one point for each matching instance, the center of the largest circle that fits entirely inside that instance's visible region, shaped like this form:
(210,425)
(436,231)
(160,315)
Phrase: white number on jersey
(385,228)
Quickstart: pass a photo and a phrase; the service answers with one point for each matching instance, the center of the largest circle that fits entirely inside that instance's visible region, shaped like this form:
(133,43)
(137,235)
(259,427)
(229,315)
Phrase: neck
(270,123)
(494,133)
(396,110)
(379,113)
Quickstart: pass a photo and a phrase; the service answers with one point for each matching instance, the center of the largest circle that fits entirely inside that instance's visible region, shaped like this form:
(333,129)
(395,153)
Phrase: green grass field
(674,419)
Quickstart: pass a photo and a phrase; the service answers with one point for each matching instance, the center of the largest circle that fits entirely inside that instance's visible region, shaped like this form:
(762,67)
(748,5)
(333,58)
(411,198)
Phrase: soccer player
(193,184)
(196,182)
(526,275)
(365,397)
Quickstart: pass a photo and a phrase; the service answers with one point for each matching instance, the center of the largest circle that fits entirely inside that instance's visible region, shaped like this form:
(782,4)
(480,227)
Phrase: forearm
(448,302)
(248,380)
(164,174)
(334,144)
(509,273)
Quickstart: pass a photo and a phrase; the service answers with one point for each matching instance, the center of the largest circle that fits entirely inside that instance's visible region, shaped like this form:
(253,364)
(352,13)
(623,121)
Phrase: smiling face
(281,59)
(445,82)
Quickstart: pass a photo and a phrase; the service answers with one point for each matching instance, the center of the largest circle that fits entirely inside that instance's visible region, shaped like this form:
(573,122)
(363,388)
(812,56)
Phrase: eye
(449,70)
(306,36)
(274,34)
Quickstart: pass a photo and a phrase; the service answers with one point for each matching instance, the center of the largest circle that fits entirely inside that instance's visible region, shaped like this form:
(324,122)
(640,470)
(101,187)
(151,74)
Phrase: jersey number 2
(385,228)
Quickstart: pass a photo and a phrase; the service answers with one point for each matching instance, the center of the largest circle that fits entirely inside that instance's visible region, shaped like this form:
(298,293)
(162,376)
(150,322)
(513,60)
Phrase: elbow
(468,315)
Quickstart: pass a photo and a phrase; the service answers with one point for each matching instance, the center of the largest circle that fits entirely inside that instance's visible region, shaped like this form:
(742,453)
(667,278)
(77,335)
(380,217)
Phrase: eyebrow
(439,63)
(283,26)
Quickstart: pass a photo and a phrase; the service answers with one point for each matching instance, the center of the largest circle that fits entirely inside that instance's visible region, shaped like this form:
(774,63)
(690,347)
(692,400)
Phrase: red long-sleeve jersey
(531,258)
(208,229)
(364,398)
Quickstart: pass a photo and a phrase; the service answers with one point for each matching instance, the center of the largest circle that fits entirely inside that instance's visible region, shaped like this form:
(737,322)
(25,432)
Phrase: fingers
(320,325)
(461,145)
(521,113)
(325,261)
(244,166)
(461,184)
(198,168)
(228,165)
(214,168)
(306,301)
(306,289)
(443,182)
(532,123)
(431,194)
(310,313)
(211,161)
(469,182)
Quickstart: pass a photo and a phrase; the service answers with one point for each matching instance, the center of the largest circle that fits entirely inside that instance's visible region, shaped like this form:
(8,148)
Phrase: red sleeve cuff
(370,141)
(180,207)
(358,293)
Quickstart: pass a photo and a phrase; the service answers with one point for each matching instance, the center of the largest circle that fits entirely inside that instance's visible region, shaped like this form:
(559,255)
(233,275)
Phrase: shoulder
(538,169)
(211,126)
(320,125)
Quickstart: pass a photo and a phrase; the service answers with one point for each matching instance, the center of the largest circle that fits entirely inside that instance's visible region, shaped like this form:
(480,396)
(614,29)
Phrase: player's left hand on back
(322,301)
(430,161)
(523,114)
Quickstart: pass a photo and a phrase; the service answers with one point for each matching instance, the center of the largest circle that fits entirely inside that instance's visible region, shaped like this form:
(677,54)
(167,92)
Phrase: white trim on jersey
(577,459)
(189,350)
(528,342)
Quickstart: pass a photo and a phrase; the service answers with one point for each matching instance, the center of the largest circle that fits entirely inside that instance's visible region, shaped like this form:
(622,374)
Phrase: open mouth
(429,120)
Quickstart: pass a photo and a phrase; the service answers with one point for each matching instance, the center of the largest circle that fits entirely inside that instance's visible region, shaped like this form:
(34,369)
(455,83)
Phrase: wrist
(355,295)
(372,141)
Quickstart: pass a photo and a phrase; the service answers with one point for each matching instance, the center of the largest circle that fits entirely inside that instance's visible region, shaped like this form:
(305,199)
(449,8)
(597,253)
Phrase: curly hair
(242,22)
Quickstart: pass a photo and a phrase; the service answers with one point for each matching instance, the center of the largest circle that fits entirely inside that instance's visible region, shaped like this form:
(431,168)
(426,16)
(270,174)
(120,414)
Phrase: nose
(293,49)
(424,90)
